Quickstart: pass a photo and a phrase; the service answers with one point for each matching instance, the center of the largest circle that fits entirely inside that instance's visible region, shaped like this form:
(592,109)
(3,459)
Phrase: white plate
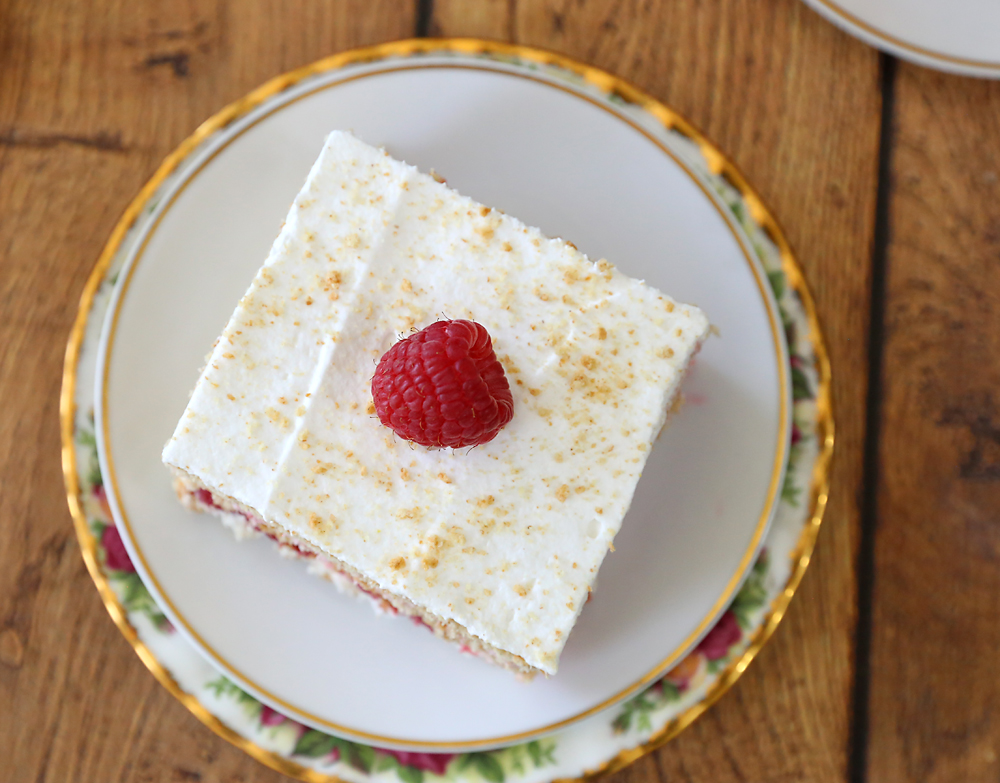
(961,36)
(555,157)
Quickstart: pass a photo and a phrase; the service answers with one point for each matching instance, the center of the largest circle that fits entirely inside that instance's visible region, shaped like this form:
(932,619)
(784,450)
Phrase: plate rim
(886,41)
(718,164)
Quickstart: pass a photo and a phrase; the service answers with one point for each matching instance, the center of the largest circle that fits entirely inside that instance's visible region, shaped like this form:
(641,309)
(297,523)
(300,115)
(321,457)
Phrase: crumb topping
(506,538)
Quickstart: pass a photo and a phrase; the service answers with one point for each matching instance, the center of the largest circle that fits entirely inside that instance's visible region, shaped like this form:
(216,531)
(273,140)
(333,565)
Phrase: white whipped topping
(506,538)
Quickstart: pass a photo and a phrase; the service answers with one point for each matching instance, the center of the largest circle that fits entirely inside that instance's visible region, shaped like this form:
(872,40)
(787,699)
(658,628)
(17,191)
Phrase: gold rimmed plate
(583,156)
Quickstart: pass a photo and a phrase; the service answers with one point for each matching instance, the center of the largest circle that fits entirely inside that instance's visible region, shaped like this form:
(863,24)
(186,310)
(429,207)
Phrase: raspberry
(443,387)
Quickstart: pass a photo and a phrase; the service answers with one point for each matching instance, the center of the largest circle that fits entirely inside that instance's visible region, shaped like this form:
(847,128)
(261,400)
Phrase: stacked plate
(313,683)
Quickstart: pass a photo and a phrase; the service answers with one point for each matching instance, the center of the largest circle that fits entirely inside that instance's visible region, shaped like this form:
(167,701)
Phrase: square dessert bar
(494,547)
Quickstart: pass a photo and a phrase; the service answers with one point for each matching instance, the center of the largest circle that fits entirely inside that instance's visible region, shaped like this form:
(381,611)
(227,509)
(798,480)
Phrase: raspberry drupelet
(443,387)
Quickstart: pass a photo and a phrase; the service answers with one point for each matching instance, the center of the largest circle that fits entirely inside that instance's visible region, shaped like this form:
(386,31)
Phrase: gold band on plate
(608,84)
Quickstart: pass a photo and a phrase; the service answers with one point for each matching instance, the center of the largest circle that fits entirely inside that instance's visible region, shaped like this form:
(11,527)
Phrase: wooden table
(886,178)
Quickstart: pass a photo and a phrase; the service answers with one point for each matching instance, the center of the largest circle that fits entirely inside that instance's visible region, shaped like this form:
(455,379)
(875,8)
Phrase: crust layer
(244,521)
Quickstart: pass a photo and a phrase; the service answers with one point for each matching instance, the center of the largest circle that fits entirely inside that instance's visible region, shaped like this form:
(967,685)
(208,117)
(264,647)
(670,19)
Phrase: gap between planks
(425,12)
(858,738)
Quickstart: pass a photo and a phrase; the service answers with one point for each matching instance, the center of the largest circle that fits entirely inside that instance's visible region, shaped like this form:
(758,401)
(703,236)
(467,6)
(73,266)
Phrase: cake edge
(348,580)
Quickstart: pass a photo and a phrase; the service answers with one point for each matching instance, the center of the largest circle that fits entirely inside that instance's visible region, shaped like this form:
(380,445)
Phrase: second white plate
(961,36)
(557,158)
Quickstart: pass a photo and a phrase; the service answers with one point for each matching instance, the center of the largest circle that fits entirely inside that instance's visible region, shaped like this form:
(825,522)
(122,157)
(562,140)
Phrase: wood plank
(92,96)
(796,104)
(936,634)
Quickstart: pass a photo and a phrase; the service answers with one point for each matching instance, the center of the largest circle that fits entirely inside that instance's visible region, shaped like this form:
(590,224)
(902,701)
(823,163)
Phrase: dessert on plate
(434,404)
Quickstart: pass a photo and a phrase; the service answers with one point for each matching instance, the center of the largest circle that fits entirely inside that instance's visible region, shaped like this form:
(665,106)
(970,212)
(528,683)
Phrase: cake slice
(495,547)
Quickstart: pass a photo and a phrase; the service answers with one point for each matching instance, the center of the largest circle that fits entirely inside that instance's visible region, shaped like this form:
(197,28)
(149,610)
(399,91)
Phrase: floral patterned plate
(605,741)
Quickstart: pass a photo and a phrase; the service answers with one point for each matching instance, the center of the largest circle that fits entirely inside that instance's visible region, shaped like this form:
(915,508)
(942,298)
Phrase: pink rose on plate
(269,717)
(115,555)
(724,635)
(430,762)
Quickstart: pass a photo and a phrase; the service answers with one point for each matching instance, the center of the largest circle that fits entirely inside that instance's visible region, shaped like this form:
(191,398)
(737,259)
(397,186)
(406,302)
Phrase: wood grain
(93,94)
(936,630)
(796,104)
